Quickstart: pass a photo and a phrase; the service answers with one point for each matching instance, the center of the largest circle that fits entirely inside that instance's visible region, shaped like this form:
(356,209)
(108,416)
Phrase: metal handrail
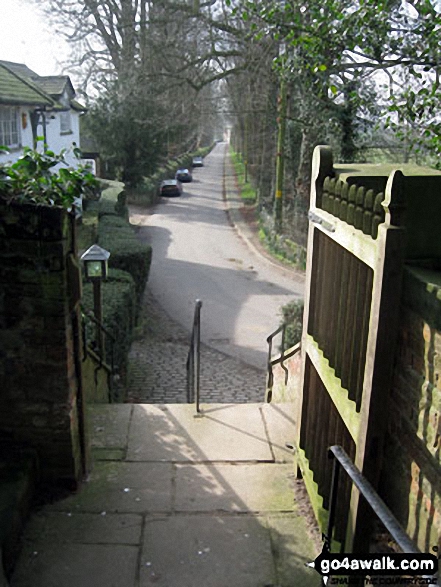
(270,376)
(194,359)
(342,459)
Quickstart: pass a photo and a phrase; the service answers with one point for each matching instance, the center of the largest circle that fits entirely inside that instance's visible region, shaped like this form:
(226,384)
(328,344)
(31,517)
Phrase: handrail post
(198,354)
(194,359)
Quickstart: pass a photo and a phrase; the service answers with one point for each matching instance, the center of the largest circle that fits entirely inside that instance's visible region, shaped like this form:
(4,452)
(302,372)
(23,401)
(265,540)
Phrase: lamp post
(95,261)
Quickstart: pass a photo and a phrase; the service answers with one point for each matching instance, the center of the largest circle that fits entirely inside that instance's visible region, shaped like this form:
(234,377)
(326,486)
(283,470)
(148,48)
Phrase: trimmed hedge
(119,315)
(292,317)
(127,253)
(129,265)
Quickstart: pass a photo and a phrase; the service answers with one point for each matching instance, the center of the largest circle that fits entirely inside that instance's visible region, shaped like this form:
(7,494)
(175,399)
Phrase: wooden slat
(348,332)
(360,295)
(335,301)
(322,290)
(341,311)
(313,309)
(344,202)
(331,197)
(325,194)
(337,198)
(359,210)
(368,214)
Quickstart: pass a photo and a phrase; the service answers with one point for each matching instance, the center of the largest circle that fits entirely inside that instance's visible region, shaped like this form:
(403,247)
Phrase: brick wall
(411,480)
(39,291)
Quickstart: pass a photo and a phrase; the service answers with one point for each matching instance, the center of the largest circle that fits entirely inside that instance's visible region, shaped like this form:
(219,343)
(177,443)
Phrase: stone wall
(411,480)
(39,376)
(96,379)
(286,389)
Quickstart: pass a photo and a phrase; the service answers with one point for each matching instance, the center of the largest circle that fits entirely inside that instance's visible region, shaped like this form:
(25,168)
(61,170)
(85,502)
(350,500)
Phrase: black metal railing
(101,343)
(194,359)
(386,517)
(270,375)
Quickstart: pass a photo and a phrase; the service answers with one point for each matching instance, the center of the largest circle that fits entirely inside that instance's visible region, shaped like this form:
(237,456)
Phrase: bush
(292,317)
(127,253)
(38,178)
(281,246)
(119,315)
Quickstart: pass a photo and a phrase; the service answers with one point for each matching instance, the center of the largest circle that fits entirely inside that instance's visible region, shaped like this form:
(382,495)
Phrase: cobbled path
(158,356)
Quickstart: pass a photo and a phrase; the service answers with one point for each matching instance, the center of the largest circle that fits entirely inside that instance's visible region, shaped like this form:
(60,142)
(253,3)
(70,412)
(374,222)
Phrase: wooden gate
(353,280)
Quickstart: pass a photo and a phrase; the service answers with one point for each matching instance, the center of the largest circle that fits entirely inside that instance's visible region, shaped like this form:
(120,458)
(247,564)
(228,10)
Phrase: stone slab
(122,487)
(58,527)
(208,551)
(292,548)
(281,427)
(74,565)
(173,432)
(109,454)
(109,425)
(257,487)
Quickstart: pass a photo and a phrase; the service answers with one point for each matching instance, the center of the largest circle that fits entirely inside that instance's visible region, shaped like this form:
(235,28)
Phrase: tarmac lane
(198,254)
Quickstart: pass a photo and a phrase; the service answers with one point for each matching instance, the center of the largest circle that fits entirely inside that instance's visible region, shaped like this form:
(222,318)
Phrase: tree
(147,64)
(340,45)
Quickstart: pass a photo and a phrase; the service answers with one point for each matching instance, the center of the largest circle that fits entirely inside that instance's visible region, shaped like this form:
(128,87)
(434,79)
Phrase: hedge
(127,253)
(292,317)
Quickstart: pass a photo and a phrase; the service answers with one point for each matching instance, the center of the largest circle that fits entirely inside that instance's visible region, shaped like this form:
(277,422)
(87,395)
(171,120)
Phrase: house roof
(20,69)
(15,89)
(49,87)
(55,84)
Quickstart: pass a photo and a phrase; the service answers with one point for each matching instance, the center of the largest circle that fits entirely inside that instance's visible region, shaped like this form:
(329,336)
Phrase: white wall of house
(62,130)
(15,125)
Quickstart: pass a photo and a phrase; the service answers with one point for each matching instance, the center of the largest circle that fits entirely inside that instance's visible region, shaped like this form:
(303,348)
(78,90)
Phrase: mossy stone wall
(39,294)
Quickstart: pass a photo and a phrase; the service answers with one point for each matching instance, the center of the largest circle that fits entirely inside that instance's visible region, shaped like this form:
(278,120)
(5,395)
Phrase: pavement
(177,499)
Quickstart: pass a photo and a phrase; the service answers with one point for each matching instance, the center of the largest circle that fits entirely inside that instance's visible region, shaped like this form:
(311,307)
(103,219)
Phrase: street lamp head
(95,262)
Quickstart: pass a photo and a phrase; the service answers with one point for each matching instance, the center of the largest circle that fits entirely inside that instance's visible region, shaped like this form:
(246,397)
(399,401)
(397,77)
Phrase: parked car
(170,187)
(183,175)
(198,162)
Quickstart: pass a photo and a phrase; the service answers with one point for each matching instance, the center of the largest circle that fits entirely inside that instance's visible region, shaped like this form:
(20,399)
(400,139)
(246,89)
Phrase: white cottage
(34,106)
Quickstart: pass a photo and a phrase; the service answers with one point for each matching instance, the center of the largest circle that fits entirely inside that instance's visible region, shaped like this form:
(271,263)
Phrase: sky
(27,38)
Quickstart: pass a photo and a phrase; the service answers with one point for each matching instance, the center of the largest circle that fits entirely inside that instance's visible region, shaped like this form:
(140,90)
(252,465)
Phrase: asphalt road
(198,254)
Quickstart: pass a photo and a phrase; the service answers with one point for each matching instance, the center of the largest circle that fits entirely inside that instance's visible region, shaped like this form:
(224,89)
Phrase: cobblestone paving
(157,372)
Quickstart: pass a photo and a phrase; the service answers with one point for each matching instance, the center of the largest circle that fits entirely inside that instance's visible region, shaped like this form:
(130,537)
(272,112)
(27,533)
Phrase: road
(198,254)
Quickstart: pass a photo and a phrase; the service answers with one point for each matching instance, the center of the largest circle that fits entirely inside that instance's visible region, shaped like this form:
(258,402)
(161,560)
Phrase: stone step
(176,433)
(18,474)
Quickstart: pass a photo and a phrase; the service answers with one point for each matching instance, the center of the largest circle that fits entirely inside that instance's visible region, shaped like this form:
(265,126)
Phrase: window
(65,122)
(9,127)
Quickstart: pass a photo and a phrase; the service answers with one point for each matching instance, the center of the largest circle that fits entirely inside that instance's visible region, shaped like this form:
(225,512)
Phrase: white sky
(26,38)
